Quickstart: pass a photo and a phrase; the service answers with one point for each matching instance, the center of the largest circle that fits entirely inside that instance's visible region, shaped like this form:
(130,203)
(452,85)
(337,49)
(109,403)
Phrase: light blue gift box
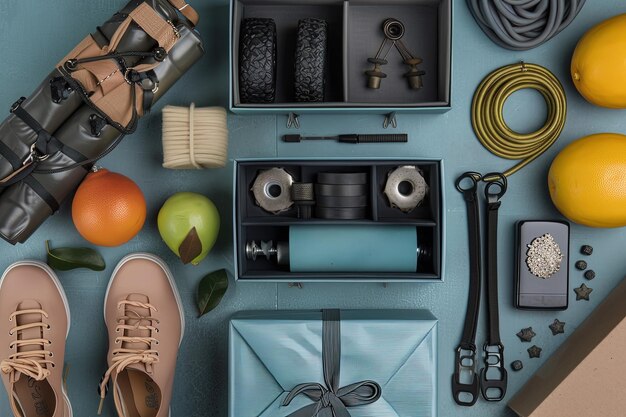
(272,352)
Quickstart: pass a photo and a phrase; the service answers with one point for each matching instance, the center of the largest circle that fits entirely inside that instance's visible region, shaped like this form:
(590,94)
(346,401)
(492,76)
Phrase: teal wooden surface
(36,34)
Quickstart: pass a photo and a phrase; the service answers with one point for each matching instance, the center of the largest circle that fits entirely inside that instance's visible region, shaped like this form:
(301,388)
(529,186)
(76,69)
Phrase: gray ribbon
(330,400)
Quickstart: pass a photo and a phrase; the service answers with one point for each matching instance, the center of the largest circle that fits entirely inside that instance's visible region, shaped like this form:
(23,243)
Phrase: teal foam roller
(353,248)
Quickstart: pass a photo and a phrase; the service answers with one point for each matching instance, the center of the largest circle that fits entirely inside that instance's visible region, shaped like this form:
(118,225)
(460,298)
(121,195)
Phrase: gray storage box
(252,223)
(354,35)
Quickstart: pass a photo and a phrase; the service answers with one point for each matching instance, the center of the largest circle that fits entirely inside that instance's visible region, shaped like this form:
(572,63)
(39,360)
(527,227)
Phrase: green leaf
(64,259)
(211,291)
(191,247)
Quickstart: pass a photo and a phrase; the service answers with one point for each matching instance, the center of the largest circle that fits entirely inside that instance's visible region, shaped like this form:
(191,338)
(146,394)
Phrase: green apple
(189,224)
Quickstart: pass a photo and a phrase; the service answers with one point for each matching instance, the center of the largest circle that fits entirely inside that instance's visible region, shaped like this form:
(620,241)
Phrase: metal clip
(34,156)
(293,121)
(390,120)
(465,363)
(493,388)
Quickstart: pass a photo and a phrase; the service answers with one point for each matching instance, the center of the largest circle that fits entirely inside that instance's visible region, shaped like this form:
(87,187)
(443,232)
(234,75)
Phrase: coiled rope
(488,119)
(523,24)
(194,138)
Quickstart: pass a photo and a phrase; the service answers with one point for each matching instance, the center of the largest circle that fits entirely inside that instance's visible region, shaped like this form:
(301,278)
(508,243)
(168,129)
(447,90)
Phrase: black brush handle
(379,138)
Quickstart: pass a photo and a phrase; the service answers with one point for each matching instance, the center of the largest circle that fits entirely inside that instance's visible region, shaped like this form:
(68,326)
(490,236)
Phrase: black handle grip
(292,138)
(383,138)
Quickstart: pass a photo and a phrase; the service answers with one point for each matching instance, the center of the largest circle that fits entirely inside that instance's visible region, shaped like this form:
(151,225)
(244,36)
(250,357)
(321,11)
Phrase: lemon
(587,180)
(598,65)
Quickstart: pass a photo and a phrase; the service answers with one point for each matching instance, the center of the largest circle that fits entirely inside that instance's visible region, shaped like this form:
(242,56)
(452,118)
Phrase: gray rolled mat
(353,248)
(53,102)
(24,206)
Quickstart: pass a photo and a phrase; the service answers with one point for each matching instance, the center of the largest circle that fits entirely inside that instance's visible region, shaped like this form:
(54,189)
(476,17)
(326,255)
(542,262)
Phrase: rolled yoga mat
(353,248)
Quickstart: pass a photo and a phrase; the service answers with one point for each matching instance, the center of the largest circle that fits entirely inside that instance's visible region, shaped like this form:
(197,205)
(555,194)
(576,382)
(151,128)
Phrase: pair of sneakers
(145,321)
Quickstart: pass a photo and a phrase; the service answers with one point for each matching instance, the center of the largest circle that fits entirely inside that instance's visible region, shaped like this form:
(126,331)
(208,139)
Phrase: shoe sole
(57,283)
(168,273)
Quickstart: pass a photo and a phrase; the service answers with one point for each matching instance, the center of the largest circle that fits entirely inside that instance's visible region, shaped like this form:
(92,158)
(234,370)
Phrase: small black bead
(586,250)
(517,365)
(581,265)
(590,274)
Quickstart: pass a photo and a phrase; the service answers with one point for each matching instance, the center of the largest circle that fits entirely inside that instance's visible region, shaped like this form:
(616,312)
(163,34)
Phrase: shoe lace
(33,363)
(123,356)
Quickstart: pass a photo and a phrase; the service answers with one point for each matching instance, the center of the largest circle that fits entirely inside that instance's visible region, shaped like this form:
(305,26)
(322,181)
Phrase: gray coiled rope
(520,25)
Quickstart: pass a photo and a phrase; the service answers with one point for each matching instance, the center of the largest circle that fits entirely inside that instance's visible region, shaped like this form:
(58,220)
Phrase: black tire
(310,67)
(257,61)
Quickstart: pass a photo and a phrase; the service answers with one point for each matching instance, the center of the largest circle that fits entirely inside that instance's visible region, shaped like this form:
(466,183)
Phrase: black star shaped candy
(557,327)
(526,335)
(534,351)
(582,292)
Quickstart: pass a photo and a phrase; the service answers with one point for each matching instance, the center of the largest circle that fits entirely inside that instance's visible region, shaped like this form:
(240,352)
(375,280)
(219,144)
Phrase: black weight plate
(310,67)
(336,190)
(257,61)
(334,213)
(342,178)
(326,201)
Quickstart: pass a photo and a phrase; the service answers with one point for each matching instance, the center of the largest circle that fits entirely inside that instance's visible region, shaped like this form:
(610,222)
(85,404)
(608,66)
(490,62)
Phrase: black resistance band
(493,377)
(466,393)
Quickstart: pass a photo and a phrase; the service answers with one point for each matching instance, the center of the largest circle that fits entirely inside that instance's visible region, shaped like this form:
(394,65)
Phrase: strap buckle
(468,189)
(498,180)
(465,394)
(34,155)
(493,377)
(17,104)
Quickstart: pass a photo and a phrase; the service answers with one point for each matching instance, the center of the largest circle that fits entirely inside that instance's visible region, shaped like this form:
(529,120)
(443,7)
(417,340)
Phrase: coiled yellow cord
(488,119)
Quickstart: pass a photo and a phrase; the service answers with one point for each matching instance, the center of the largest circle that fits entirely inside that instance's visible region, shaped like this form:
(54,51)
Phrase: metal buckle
(34,156)
(465,363)
(494,360)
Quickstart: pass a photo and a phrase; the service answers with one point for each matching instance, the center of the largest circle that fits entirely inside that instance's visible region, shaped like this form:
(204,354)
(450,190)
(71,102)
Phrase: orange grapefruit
(108,209)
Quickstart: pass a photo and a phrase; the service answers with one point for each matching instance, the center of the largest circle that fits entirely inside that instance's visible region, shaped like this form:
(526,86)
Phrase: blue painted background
(36,34)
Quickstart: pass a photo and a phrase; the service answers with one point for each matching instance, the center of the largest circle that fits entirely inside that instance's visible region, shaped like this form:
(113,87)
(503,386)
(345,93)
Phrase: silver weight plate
(406,188)
(272,190)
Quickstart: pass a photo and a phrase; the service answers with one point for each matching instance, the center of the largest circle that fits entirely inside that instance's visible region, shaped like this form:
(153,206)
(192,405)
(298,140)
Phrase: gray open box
(354,35)
(253,223)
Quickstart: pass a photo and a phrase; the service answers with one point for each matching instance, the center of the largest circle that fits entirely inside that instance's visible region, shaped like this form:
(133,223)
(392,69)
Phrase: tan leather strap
(187,11)
(151,22)
(14,174)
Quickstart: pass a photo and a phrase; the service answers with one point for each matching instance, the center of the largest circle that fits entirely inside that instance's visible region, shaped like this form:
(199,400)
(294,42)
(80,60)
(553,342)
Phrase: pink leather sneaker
(145,320)
(34,323)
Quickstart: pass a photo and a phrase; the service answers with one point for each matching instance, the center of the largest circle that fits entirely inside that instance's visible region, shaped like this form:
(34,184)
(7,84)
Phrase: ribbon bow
(330,400)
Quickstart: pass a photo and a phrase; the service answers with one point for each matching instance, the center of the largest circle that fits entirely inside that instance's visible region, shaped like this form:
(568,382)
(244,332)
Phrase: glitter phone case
(542,265)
